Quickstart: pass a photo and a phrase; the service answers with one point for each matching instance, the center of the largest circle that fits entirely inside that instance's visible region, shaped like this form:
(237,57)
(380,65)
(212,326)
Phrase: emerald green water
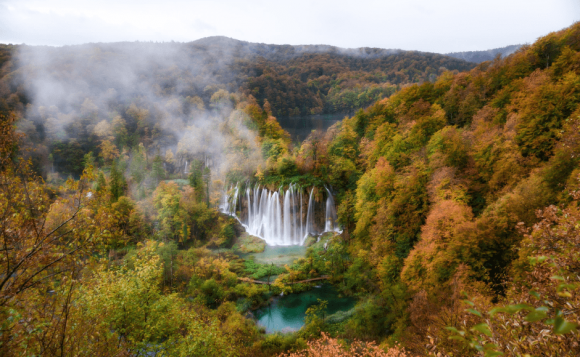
(278,255)
(286,313)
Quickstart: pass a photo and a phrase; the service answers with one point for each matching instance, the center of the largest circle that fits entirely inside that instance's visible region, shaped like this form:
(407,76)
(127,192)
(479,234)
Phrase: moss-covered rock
(247,243)
(327,235)
(310,240)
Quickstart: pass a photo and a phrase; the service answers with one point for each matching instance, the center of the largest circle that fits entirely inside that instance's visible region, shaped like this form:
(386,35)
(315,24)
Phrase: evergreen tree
(196,179)
(158,172)
(101,182)
(207,179)
(117,183)
(138,164)
(89,160)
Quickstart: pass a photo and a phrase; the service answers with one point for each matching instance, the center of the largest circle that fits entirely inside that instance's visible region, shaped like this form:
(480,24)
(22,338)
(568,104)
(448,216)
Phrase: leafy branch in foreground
(543,312)
(327,347)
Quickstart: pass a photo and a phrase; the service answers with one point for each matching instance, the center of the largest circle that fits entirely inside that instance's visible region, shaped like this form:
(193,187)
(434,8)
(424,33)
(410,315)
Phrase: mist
(164,100)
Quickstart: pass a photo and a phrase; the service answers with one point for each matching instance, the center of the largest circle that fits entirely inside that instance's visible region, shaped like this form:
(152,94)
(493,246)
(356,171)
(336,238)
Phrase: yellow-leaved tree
(127,302)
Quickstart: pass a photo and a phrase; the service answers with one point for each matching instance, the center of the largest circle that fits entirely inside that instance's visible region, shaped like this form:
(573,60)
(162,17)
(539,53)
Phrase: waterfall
(225,204)
(288,236)
(249,206)
(330,218)
(302,234)
(277,217)
(309,216)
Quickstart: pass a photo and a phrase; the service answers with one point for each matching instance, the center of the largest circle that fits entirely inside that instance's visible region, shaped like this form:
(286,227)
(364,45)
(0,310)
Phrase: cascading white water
(330,219)
(275,217)
(310,214)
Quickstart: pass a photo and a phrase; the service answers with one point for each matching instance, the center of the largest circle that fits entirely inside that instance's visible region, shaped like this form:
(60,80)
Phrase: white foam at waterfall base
(276,222)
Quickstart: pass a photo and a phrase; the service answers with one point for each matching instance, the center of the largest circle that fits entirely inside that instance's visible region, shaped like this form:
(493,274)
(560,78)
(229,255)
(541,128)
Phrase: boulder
(247,243)
(310,240)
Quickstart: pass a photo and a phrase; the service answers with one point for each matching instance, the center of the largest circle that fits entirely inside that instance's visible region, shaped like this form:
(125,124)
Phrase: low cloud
(444,26)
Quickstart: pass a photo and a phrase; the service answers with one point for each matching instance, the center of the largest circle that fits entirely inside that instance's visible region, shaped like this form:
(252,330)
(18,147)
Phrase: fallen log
(252,281)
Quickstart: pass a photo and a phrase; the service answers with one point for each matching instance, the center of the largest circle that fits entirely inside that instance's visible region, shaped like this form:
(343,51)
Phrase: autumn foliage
(457,196)
(327,347)
(434,183)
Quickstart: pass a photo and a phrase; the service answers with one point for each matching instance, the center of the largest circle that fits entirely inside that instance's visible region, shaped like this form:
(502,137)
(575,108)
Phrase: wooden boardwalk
(248,280)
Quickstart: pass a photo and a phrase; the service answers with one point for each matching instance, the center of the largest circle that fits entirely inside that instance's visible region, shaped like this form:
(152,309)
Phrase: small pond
(301,126)
(286,313)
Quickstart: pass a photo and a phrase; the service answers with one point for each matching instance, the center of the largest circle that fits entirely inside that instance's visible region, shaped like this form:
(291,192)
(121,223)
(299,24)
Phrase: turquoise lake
(277,255)
(287,313)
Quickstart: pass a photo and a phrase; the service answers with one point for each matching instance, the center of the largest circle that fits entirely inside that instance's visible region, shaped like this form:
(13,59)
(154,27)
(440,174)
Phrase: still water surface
(286,313)
(277,255)
(300,127)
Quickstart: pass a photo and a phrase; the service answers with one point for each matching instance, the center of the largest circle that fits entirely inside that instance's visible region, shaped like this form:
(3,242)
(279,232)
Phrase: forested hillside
(144,86)
(457,197)
(334,82)
(482,56)
(460,196)
(296,80)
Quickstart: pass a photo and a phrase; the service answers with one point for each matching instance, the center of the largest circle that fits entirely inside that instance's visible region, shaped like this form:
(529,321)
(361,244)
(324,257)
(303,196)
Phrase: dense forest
(315,83)
(295,80)
(482,56)
(457,196)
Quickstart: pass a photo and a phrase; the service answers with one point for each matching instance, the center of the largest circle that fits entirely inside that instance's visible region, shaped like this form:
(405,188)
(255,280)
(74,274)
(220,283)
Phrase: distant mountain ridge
(314,79)
(482,56)
(273,51)
(294,80)
(270,51)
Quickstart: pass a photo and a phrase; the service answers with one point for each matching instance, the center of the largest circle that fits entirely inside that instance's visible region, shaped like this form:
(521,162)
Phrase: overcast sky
(425,25)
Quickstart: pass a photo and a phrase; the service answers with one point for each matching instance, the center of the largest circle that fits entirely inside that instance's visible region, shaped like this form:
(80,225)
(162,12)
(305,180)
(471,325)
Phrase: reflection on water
(286,313)
(300,127)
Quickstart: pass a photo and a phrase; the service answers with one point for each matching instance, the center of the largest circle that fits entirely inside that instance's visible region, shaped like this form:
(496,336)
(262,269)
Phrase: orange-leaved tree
(540,314)
(331,347)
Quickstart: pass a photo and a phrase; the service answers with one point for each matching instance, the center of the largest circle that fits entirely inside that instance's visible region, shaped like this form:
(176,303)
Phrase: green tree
(130,303)
(171,214)
(157,170)
(207,179)
(117,182)
(89,160)
(138,164)
(196,179)
(101,182)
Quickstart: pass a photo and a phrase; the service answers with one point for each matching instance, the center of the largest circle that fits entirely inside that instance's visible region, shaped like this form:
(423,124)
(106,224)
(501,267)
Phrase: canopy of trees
(458,196)
(436,185)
